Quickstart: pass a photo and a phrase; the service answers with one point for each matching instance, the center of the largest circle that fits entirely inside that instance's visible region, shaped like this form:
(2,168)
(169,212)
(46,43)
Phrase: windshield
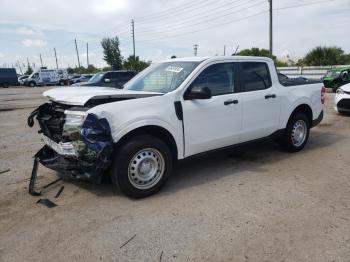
(162,78)
(333,74)
(96,78)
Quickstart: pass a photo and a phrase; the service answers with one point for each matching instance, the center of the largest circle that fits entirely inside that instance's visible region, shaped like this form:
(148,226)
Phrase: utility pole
(41,60)
(54,49)
(133,41)
(270,33)
(76,48)
(236,50)
(195,49)
(224,50)
(87,54)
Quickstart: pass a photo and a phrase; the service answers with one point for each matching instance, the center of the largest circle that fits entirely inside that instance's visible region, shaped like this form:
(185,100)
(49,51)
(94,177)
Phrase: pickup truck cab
(171,111)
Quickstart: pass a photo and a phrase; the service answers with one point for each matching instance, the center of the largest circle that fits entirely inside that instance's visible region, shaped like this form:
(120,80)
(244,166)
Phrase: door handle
(231,101)
(270,96)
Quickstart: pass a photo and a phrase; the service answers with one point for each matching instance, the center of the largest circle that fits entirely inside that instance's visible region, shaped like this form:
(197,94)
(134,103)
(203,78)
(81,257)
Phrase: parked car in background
(72,78)
(171,111)
(342,99)
(114,79)
(336,78)
(80,79)
(47,77)
(8,77)
(22,78)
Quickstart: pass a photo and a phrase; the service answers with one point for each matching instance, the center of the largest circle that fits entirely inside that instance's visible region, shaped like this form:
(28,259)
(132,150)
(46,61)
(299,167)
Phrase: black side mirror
(197,92)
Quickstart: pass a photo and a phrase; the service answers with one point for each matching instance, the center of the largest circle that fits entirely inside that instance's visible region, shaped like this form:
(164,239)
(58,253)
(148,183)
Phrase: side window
(124,77)
(114,76)
(107,76)
(256,76)
(219,78)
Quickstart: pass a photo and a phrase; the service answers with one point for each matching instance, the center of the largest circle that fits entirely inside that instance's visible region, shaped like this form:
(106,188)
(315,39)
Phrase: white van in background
(47,77)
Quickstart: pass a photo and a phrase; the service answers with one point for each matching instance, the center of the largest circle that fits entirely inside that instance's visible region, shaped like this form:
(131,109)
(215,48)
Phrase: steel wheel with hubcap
(299,132)
(141,166)
(146,168)
(296,133)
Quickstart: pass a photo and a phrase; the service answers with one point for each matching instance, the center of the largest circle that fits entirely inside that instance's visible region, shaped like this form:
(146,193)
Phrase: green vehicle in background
(336,78)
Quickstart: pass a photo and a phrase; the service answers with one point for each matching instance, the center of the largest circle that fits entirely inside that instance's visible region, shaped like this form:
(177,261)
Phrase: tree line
(318,56)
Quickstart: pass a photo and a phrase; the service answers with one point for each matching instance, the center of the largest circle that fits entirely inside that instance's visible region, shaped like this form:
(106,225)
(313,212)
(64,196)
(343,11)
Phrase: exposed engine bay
(77,143)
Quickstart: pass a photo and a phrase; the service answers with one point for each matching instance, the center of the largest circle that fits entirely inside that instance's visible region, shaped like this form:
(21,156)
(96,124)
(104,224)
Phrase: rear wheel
(141,166)
(32,84)
(61,83)
(5,85)
(296,133)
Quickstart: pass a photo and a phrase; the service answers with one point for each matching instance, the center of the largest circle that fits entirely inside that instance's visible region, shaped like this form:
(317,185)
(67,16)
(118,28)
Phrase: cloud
(27,31)
(28,42)
(109,6)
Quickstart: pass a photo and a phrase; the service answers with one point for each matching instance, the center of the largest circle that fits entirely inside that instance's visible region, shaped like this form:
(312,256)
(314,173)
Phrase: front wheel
(296,133)
(32,84)
(141,166)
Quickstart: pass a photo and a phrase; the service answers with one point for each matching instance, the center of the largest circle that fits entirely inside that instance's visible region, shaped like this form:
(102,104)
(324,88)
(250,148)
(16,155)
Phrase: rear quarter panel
(294,96)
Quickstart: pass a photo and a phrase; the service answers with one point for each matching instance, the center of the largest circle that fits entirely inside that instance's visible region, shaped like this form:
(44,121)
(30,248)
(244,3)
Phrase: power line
(305,4)
(207,28)
(197,18)
(236,20)
(183,25)
(173,10)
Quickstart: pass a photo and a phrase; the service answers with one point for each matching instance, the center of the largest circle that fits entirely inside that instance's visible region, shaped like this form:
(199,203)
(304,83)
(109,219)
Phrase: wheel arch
(156,131)
(302,108)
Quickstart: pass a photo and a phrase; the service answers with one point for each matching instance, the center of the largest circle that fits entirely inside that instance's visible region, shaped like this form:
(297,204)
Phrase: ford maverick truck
(172,110)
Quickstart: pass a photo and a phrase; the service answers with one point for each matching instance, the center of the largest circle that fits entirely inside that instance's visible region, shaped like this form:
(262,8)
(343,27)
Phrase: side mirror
(107,80)
(198,92)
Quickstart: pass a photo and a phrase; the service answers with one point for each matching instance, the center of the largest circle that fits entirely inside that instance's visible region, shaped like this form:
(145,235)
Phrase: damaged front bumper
(77,144)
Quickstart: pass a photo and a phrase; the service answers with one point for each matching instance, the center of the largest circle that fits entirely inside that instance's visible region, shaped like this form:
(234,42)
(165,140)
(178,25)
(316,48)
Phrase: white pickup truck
(171,111)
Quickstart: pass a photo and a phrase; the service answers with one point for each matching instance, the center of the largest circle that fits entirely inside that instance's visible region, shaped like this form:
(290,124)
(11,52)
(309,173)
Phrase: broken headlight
(73,122)
(75,118)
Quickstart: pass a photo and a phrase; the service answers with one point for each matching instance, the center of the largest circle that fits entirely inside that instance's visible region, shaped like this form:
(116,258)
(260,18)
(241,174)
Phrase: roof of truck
(215,58)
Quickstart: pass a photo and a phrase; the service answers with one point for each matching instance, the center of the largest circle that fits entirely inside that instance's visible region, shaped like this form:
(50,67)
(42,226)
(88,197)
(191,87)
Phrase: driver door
(216,122)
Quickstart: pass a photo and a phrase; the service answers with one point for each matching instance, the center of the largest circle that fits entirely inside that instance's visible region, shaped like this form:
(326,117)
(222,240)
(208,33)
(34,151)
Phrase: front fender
(120,132)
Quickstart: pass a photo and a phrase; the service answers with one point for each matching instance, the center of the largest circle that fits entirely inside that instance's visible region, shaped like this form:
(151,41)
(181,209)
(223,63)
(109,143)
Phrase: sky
(165,28)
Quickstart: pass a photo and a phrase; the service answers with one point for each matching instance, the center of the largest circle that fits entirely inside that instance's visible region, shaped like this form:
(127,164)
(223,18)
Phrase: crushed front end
(77,144)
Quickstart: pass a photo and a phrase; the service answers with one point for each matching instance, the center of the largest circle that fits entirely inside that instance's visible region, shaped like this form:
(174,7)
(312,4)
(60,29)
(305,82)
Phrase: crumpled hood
(79,95)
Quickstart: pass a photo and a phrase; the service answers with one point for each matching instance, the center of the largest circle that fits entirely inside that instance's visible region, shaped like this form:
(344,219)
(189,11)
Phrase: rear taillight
(323,95)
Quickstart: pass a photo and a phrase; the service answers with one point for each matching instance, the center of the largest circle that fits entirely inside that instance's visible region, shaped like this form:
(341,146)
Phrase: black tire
(121,165)
(287,142)
(32,84)
(5,85)
(61,83)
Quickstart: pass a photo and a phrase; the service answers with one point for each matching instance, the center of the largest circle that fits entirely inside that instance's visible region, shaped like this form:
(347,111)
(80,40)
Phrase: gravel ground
(257,203)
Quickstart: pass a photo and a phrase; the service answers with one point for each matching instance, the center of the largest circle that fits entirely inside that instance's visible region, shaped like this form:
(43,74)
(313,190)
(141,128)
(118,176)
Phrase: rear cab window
(255,76)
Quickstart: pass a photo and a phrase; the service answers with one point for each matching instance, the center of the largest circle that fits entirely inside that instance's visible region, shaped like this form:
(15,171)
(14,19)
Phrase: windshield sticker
(174,69)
